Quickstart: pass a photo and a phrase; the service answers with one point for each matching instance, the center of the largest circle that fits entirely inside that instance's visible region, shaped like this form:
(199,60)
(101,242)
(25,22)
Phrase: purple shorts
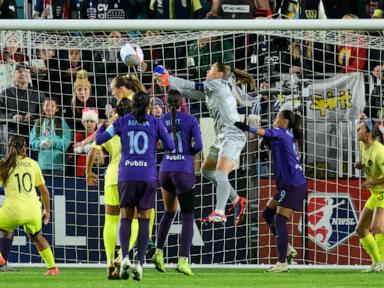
(177,182)
(292,197)
(140,194)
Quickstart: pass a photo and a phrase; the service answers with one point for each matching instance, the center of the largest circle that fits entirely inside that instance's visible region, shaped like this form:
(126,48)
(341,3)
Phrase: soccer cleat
(52,272)
(371,269)
(137,273)
(239,207)
(158,260)
(184,267)
(125,268)
(214,217)
(291,253)
(279,268)
(379,267)
(112,273)
(6,268)
(2,260)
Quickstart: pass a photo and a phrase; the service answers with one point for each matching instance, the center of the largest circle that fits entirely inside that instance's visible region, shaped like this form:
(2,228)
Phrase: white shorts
(230,147)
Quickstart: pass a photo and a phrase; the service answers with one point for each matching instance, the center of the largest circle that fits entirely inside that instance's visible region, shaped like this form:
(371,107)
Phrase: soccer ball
(131,54)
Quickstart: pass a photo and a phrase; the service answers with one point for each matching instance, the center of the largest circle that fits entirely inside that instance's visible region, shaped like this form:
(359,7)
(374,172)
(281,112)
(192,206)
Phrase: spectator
(12,53)
(165,9)
(111,9)
(379,11)
(56,9)
(308,57)
(81,98)
(44,70)
(157,107)
(20,104)
(51,136)
(208,51)
(239,9)
(70,62)
(352,58)
(8,9)
(89,120)
(336,9)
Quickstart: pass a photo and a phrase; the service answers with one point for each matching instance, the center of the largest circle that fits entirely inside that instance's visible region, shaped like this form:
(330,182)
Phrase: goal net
(327,77)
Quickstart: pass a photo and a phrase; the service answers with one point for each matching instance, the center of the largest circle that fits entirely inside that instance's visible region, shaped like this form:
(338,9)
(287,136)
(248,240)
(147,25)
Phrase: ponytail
(376,133)
(242,77)
(7,165)
(174,102)
(294,123)
(140,104)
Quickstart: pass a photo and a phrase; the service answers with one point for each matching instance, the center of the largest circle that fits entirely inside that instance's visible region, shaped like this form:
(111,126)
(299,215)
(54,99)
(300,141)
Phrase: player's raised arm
(190,89)
(103,134)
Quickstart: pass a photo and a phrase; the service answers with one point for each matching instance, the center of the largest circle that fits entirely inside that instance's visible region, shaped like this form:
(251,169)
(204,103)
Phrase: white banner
(339,98)
(332,106)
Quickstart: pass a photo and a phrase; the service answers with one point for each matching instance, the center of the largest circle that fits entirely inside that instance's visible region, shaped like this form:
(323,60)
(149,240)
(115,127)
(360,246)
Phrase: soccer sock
(380,245)
(186,234)
(109,236)
(222,190)
(269,217)
(281,236)
(370,246)
(142,239)
(134,233)
(233,196)
(165,225)
(151,221)
(125,234)
(5,247)
(47,256)
(211,175)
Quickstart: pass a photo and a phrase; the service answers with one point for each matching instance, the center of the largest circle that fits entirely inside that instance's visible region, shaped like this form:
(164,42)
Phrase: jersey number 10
(134,137)
(24,182)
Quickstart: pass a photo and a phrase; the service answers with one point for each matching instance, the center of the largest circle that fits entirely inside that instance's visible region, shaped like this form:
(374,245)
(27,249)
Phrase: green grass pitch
(206,278)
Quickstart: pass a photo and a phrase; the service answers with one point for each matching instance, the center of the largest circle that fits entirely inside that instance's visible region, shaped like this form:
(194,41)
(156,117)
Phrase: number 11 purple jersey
(181,159)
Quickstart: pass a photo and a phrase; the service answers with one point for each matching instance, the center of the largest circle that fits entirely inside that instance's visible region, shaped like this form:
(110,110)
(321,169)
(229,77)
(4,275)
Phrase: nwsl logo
(331,219)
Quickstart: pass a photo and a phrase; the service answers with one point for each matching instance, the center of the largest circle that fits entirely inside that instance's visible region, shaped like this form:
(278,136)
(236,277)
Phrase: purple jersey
(286,166)
(181,159)
(138,141)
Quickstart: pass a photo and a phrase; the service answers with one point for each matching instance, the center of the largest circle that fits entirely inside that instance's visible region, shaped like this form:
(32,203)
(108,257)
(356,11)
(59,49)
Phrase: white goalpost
(321,69)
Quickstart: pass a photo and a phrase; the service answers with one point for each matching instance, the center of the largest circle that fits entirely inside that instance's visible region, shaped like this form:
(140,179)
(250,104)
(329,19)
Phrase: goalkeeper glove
(162,74)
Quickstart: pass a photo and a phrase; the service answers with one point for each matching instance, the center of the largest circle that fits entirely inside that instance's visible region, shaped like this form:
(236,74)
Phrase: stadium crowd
(57,97)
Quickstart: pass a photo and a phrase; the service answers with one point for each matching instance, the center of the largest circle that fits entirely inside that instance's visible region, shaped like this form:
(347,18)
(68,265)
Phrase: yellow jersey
(21,200)
(373,161)
(113,147)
